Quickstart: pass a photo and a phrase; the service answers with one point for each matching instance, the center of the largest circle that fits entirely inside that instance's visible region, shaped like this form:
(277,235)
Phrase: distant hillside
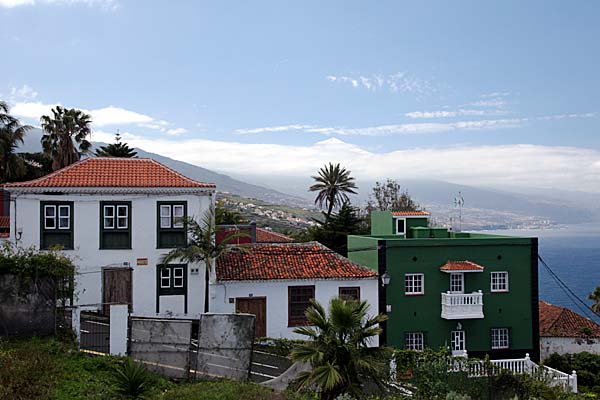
(225,184)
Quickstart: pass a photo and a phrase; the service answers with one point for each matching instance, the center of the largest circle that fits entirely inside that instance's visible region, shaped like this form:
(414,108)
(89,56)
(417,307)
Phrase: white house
(564,331)
(275,282)
(116,217)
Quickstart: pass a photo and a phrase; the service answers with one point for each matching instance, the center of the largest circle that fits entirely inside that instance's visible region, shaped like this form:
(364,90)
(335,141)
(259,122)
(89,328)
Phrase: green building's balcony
(462,305)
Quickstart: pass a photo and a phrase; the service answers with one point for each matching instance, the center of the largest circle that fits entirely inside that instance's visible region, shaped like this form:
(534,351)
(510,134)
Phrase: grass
(47,369)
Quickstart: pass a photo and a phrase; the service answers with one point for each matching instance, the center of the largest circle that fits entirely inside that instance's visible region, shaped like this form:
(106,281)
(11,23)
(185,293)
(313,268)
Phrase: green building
(474,293)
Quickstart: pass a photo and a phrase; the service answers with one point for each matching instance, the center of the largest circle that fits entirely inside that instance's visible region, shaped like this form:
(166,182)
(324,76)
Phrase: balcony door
(458,343)
(457,282)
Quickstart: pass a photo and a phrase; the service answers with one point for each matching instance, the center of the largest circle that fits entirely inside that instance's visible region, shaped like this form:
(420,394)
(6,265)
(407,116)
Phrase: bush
(131,378)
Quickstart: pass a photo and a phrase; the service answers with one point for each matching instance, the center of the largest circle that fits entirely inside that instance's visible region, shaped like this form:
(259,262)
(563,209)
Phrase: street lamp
(385,279)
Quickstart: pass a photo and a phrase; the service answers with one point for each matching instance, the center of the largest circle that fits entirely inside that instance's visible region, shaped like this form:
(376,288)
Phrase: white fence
(524,366)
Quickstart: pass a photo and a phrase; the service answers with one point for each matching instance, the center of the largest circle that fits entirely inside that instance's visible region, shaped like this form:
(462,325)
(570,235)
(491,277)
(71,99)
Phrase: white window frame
(166,207)
(178,219)
(414,341)
(500,338)
(454,283)
(410,285)
(458,341)
(60,217)
(403,232)
(125,217)
(176,276)
(167,277)
(51,217)
(495,286)
(111,217)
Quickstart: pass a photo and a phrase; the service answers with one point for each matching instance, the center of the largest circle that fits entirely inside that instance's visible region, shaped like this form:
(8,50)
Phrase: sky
(501,93)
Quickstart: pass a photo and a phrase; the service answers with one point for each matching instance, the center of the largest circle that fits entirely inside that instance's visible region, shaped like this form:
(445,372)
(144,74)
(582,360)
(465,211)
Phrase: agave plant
(132,379)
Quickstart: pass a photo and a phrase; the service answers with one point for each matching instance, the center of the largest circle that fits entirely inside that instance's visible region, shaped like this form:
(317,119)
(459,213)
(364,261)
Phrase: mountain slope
(225,184)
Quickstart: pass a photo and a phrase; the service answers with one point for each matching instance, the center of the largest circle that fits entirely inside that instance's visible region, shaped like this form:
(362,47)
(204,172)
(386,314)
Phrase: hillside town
(339,200)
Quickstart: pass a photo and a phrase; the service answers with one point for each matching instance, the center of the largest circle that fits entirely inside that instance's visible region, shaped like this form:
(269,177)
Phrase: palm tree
(117,149)
(595,296)
(202,247)
(12,166)
(64,131)
(337,349)
(333,184)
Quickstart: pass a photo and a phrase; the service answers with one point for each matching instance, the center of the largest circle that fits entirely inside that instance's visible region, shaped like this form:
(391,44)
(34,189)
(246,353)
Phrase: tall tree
(338,350)
(333,183)
(334,232)
(117,149)
(65,136)
(12,166)
(202,247)
(390,196)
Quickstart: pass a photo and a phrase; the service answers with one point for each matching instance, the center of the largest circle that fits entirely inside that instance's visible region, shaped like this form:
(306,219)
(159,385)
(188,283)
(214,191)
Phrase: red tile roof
(464,266)
(4,221)
(556,321)
(309,260)
(269,236)
(410,213)
(114,172)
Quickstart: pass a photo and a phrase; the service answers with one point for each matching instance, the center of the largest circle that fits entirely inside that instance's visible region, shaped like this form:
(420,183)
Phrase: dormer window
(400,226)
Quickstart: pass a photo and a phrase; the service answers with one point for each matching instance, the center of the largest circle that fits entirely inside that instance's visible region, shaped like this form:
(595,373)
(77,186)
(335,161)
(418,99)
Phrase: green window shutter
(170,224)
(56,225)
(115,225)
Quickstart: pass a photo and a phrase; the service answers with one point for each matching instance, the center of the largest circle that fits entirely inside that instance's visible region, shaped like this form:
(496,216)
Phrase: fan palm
(117,149)
(595,296)
(66,130)
(12,166)
(338,348)
(202,247)
(333,185)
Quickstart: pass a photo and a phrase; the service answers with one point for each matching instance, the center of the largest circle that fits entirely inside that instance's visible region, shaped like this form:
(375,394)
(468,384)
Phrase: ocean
(573,253)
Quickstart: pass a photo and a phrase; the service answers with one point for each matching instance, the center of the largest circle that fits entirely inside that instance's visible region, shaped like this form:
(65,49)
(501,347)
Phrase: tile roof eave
(275,280)
(109,190)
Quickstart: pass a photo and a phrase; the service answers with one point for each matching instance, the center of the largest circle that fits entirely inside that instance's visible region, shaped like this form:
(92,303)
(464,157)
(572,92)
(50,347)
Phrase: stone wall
(27,307)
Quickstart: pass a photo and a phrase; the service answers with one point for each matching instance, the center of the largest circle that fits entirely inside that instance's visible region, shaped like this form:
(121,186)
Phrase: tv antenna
(459,202)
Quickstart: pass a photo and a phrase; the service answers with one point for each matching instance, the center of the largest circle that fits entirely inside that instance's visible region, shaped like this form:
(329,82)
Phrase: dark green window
(115,225)
(172,279)
(56,225)
(171,218)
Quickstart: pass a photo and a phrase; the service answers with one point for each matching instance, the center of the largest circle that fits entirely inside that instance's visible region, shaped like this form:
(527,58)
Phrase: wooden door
(258,307)
(116,287)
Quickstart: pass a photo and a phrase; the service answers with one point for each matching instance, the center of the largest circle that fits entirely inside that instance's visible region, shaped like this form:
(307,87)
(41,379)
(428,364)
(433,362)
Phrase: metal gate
(95,332)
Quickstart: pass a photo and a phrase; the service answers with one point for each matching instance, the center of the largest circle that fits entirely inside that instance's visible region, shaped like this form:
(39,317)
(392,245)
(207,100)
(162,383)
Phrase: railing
(522,366)
(462,306)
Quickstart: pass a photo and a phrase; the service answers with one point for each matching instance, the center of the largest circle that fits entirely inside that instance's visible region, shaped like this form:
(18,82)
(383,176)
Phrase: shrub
(132,379)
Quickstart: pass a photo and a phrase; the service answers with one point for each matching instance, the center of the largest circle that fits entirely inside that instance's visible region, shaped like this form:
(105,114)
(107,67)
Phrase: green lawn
(47,369)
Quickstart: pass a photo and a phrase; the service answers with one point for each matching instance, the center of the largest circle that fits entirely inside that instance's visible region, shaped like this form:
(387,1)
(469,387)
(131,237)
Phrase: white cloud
(521,164)
(398,82)
(176,131)
(117,116)
(270,129)
(453,114)
(106,4)
(393,129)
(101,117)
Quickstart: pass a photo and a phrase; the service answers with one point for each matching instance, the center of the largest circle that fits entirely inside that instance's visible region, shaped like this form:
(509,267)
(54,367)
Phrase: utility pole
(459,202)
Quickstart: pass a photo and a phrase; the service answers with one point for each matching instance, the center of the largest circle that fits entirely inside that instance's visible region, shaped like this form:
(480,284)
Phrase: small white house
(564,331)
(116,217)
(275,282)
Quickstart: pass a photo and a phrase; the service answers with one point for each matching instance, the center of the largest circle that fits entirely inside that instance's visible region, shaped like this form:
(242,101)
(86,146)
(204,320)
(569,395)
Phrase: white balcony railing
(462,306)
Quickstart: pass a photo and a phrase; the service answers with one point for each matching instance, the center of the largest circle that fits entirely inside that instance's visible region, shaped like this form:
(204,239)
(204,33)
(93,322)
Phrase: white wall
(562,345)
(276,293)
(90,259)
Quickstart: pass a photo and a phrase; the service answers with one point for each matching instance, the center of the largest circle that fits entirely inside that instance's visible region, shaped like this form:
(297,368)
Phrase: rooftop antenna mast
(459,202)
